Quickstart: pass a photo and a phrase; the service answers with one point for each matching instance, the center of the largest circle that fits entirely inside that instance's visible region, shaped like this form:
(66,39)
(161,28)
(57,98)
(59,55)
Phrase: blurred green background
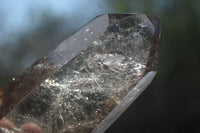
(171,104)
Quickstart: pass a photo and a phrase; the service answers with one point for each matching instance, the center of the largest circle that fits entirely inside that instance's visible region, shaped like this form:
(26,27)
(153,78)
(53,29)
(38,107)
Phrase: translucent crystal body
(103,67)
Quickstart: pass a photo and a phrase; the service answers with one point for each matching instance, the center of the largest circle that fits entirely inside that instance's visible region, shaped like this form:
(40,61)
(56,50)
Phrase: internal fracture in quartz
(77,97)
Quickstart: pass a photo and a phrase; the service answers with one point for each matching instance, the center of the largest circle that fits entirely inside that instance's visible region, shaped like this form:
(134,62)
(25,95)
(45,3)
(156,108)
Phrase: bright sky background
(15,14)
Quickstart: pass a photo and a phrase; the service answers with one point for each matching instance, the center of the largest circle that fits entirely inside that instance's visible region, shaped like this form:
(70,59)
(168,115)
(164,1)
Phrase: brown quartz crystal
(89,79)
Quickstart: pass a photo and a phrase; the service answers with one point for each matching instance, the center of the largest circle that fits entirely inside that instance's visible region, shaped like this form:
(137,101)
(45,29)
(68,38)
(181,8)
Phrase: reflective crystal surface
(77,86)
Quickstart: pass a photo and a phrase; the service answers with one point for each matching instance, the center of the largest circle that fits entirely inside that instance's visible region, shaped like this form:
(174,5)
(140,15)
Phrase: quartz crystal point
(89,79)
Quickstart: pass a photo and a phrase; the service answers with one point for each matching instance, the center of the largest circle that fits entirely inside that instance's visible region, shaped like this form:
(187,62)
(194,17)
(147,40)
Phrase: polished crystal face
(90,74)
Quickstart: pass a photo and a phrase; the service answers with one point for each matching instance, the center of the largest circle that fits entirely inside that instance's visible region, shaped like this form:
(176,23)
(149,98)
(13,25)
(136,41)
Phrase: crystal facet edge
(125,103)
(153,61)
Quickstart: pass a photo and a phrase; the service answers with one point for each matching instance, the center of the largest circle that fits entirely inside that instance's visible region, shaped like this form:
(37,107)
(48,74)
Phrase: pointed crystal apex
(89,79)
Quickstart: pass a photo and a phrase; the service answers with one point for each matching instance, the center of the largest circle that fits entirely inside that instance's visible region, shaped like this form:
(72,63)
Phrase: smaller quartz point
(89,79)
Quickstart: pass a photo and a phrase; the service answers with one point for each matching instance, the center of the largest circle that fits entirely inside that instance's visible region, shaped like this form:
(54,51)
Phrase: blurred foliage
(171,102)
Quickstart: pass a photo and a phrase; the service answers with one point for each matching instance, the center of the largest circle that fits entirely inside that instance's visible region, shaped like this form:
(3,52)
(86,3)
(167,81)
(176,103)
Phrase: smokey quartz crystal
(89,79)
